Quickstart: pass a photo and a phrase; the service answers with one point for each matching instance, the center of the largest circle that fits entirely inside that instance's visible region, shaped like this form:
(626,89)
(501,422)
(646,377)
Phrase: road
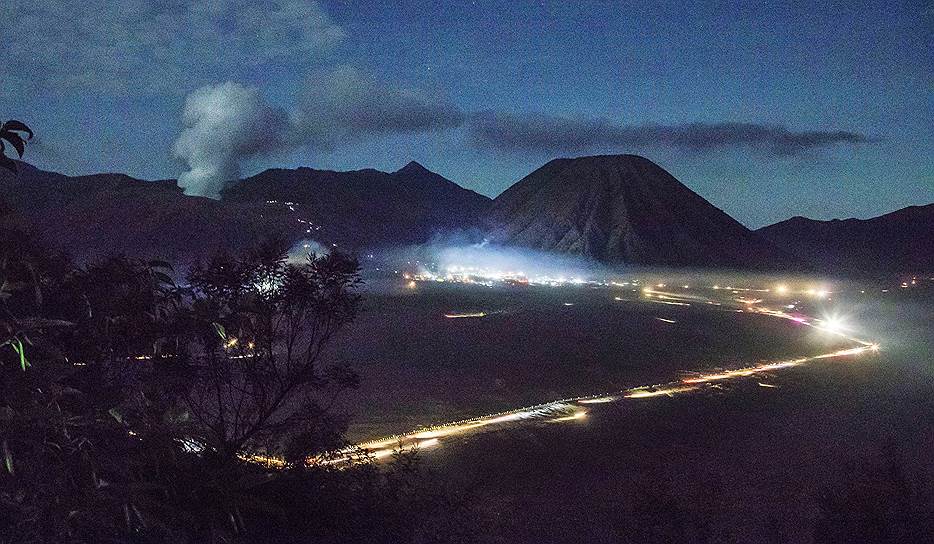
(576,409)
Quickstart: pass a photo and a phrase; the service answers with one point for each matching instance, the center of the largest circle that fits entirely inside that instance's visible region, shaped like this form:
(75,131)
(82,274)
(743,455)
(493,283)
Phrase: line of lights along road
(575,409)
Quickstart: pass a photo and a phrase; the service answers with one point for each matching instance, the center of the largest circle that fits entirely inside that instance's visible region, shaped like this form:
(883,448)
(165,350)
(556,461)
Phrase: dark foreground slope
(91,216)
(623,209)
(897,242)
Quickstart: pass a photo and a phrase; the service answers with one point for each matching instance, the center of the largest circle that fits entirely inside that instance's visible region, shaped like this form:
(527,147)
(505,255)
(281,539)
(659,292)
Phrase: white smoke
(346,104)
(224,124)
(227,123)
(496,259)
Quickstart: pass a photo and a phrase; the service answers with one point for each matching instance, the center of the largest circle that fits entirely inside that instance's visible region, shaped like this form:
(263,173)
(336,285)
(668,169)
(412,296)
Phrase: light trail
(466,315)
(657,391)
(771,367)
(598,400)
(580,414)
(571,409)
(671,302)
(672,296)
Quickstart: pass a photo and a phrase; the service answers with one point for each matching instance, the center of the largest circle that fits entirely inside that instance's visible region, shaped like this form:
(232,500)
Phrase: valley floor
(742,463)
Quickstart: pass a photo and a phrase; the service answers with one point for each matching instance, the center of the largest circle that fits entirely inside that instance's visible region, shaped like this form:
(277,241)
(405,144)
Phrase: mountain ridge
(616,209)
(623,209)
(97,214)
(901,241)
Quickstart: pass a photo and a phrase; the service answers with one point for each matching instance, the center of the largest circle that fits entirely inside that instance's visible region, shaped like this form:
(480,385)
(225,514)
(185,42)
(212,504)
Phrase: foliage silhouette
(137,417)
(16,134)
(261,325)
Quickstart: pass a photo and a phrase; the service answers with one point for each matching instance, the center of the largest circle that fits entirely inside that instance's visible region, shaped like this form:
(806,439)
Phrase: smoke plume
(227,123)
(552,134)
(224,124)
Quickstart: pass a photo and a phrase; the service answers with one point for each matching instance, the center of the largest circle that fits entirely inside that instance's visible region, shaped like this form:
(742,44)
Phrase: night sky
(823,109)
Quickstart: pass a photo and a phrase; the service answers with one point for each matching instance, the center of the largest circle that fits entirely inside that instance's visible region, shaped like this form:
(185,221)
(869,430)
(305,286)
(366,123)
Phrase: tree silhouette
(149,412)
(264,323)
(16,134)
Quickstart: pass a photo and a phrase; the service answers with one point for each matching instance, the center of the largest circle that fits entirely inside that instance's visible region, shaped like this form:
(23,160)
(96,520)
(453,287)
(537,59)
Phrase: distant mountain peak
(413,167)
(617,157)
(621,159)
(621,209)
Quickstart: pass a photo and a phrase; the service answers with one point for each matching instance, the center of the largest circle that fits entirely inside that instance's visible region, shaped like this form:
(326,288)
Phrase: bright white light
(833,324)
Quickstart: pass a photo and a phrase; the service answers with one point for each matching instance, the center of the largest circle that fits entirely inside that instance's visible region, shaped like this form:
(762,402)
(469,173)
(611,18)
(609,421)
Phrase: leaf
(18,126)
(17,346)
(220,331)
(164,278)
(116,415)
(8,457)
(14,140)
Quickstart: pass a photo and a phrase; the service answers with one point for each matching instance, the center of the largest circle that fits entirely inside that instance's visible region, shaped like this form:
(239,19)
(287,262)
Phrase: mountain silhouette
(95,215)
(620,209)
(898,242)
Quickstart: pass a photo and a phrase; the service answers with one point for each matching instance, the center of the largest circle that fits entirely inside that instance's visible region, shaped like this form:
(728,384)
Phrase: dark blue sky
(820,109)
